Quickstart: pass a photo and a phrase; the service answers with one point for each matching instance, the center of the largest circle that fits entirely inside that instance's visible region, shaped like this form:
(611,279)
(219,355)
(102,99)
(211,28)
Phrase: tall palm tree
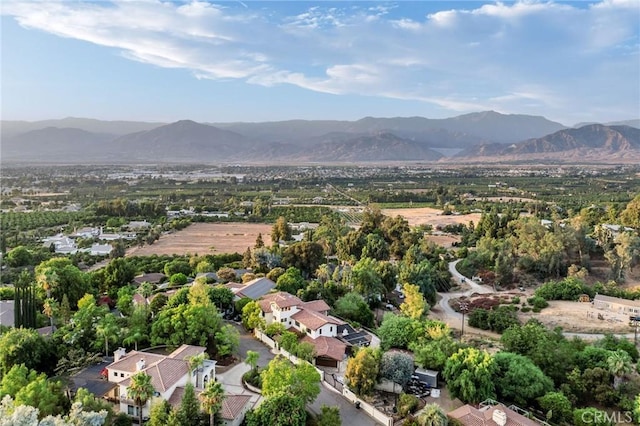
(433,415)
(146,290)
(48,279)
(619,363)
(195,364)
(212,398)
(107,328)
(140,390)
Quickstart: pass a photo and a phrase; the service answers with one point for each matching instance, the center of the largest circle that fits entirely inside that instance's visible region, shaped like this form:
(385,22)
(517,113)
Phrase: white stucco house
(169,375)
(329,335)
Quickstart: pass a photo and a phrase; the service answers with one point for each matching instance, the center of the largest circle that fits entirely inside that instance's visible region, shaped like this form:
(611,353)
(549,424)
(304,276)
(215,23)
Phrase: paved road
(232,381)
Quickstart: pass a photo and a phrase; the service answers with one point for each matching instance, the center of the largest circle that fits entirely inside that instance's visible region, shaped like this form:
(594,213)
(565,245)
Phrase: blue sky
(265,61)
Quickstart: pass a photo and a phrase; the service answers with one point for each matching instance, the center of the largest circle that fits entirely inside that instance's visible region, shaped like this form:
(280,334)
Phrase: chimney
(119,354)
(140,365)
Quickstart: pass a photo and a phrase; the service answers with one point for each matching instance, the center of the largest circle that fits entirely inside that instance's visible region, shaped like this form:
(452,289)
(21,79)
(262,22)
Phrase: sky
(152,60)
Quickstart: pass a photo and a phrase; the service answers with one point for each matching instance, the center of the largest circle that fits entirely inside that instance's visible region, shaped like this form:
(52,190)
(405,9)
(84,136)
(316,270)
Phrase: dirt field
(429,216)
(207,238)
(580,317)
(444,240)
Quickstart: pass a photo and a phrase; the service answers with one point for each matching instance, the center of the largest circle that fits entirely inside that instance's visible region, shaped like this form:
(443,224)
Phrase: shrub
(406,404)
(525,309)
(253,377)
(538,303)
(515,300)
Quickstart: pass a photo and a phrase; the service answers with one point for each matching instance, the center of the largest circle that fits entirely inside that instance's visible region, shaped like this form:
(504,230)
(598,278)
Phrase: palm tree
(619,363)
(195,364)
(212,398)
(50,308)
(146,290)
(252,359)
(48,279)
(140,390)
(432,415)
(134,337)
(107,328)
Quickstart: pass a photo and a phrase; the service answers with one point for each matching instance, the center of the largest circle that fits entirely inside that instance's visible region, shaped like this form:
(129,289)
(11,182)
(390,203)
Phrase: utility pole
(464,308)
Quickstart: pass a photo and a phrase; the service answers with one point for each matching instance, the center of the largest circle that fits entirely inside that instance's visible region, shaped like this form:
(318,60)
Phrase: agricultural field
(206,238)
(430,216)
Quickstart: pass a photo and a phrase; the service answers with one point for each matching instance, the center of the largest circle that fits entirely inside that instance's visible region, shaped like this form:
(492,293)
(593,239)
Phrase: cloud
(529,56)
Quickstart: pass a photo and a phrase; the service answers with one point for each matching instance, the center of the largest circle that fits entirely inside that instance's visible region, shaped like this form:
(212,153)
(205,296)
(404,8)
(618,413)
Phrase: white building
(169,374)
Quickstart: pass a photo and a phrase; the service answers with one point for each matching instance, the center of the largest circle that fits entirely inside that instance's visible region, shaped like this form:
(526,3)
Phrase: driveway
(91,380)
(232,381)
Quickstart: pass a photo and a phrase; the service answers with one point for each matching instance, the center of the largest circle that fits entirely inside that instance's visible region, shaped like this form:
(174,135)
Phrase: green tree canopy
(469,374)
(362,371)
(301,380)
(518,379)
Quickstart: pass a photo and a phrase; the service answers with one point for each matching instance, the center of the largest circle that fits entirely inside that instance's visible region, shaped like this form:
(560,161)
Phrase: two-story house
(169,374)
(329,335)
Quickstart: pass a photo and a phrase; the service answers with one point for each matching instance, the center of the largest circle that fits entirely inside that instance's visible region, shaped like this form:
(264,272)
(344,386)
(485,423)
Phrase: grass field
(207,238)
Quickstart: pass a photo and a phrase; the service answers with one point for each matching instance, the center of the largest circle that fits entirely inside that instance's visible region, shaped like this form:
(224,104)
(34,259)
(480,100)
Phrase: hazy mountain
(118,128)
(593,141)
(369,139)
(632,123)
(54,144)
(456,132)
(182,141)
(378,147)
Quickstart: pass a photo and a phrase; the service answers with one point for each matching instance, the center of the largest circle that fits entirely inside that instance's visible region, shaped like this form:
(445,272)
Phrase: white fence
(368,408)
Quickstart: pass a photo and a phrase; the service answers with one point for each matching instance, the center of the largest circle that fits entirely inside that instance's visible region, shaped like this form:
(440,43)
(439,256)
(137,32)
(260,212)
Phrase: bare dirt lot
(580,317)
(443,240)
(207,238)
(433,217)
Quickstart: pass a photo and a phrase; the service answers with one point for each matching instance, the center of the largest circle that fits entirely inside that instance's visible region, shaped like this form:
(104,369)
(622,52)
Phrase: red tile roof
(186,351)
(232,405)
(164,374)
(471,416)
(329,347)
(176,397)
(281,299)
(314,320)
(316,305)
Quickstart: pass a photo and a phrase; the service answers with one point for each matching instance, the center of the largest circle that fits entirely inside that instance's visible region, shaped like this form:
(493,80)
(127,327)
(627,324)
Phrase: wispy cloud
(527,57)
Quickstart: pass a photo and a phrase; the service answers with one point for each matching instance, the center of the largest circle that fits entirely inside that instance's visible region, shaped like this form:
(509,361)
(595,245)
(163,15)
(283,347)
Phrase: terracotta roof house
(490,415)
(234,409)
(169,374)
(329,335)
(153,278)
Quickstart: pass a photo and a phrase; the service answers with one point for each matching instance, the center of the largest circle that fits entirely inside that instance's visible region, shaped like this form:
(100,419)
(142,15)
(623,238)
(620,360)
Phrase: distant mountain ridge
(483,135)
(591,141)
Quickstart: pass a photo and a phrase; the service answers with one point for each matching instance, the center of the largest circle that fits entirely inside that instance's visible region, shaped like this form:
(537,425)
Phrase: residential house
(329,335)
(490,415)
(153,278)
(234,409)
(100,249)
(253,289)
(617,305)
(169,373)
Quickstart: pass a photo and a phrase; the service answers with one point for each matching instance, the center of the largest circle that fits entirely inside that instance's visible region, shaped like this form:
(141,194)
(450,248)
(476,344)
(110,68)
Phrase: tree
(107,329)
(518,379)
(281,231)
(227,340)
(397,331)
(178,279)
(362,371)
(397,367)
(186,324)
(353,307)
(301,380)
(19,256)
(118,273)
(556,406)
(25,302)
(619,363)
(177,266)
(591,417)
(469,374)
(291,281)
(69,279)
(305,256)
(137,326)
(434,353)
(375,247)
(329,416)
(159,414)
(252,359)
(140,390)
(433,415)
(158,302)
(18,377)
(252,316)
(43,394)
(212,398)
(28,347)
(365,279)
(195,363)
(414,305)
(89,403)
(630,216)
(259,241)
(189,411)
(306,351)
(226,274)
(279,410)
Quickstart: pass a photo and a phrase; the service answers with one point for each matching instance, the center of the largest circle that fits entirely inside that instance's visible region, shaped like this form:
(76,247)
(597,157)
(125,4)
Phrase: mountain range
(483,136)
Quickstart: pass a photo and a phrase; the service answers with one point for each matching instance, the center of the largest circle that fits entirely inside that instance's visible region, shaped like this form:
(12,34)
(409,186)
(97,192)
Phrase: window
(308,331)
(330,328)
(121,374)
(297,324)
(282,320)
(115,374)
(130,410)
(319,331)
